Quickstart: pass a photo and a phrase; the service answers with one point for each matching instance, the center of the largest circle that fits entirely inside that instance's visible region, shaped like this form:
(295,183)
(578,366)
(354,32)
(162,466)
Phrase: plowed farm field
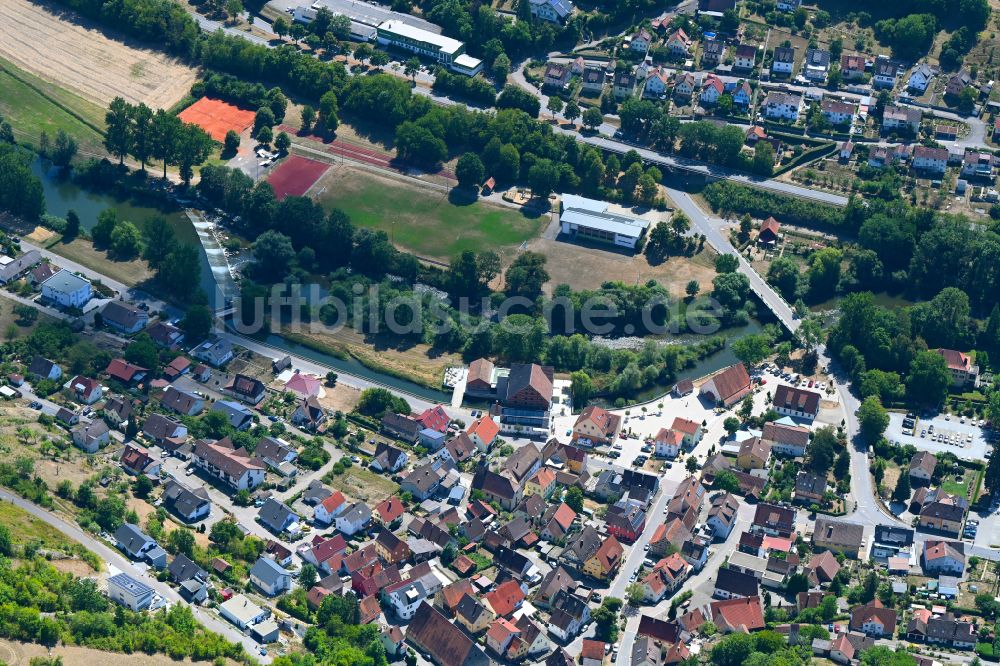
(72,55)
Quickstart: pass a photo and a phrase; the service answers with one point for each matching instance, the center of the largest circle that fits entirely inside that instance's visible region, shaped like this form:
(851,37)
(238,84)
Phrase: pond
(63,195)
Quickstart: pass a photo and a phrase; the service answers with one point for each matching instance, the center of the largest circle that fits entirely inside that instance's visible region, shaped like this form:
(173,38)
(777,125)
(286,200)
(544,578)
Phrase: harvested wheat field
(82,59)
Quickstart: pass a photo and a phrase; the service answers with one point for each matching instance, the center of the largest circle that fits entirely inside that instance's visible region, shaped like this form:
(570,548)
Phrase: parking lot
(943,427)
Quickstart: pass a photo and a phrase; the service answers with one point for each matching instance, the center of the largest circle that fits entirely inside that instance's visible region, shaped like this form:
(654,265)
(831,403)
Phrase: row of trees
(135,130)
(20,190)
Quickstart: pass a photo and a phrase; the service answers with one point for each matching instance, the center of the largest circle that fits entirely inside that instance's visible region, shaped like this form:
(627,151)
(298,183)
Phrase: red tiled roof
(390,509)
(744,614)
(505,598)
(485,427)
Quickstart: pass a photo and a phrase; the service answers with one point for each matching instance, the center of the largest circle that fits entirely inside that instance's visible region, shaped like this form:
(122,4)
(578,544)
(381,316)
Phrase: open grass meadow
(32,105)
(424,220)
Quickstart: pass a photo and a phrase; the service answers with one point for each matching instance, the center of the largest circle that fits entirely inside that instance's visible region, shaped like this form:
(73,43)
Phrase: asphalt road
(114,558)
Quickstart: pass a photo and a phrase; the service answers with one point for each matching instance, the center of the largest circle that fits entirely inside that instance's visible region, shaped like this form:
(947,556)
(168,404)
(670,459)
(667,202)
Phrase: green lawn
(33,105)
(425,221)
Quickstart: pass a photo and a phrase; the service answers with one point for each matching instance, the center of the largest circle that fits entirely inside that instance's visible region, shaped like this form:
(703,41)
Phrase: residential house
(556,581)
(733,584)
(473,614)
(129,592)
(625,520)
(874,619)
(679,44)
(686,502)
(695,551)
(542,483)
(944,557)
(182,402)
(159,428)
(239,416)
(139,546)
(783,61)
(852,66)
(713,52)
(43,368)
(247,389)
(920,78)
(668,443)
(136,460)
(642,39)
(592,83)
(483,432)
(582,547)
(64,288)
(215,351)
(722,515)
(884,73)
(166,334)
(388,511)
(189,504)
(505,598)
(18,267)
(596,427)
(786,440)
(746,57)
(890,540)
(124,317)
(91,436)
(809,488)
(666,577)
(976,165)
(738,615)
(556,76)
(944,513)
(667,535)
(354,518)
(389,458)
(85,390)
(836,112)
(423,481)
(458,449)
(232,466)
(309,414)
(902,118)
(180,365)
(822,568)
(277,516)
(432,634)
(685,84)
(774,520)
(125,372)
(922,466)
(557,522)
(117,411)
(711,90)
(839,536)
(742,94)
(568,614)
(754,453)
(796,402)
(606,560)
(963,372)
(623,83)
(727,386)
(270,577)
(930,160)
(277,454)
(944,629)
(496,487)
(816,64)
(554,11)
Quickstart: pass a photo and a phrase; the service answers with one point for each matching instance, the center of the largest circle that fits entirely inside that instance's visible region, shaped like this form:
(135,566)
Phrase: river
(63,195)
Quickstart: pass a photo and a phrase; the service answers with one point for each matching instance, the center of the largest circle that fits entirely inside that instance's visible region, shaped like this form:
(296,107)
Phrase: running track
(361,154)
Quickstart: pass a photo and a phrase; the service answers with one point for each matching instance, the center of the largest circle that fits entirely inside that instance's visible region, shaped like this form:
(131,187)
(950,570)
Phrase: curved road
(114,558)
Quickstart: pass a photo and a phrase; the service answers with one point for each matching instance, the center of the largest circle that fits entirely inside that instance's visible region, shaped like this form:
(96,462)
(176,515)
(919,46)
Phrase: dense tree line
(39,604)
(135,130)
(910,26)
(474,89)
(20,190)
(243,93)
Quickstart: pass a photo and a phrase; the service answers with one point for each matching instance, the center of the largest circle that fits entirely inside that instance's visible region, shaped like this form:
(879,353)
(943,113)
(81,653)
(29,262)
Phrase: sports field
(217,117)
(32,106)
(422,219)
(295,175)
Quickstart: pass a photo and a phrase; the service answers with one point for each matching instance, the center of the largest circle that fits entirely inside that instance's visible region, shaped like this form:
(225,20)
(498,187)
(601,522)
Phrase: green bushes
(727,197)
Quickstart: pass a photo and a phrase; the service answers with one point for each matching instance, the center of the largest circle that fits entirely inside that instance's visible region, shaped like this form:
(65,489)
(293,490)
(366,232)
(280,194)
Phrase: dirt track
(83,60)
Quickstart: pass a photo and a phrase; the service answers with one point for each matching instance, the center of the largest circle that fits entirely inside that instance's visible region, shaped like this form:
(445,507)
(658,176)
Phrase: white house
(67,289)
(641,41)
(947,557)
(930,159)
(657,82)
(242,612)
(837,112)
(91,436)
(555,11)
(354,518)
(406,598)
(327,510)
(782,106)
(668,443)
(746,57)
(711,90)
(796,402)
(129,592)
(884,73)
(783,60)
(270,577)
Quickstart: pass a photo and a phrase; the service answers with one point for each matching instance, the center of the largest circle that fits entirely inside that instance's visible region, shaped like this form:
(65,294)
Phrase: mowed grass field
(32,106)
(423,220)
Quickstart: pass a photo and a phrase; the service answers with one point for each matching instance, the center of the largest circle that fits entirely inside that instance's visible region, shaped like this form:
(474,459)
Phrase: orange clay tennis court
(217,117)
(295,176)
